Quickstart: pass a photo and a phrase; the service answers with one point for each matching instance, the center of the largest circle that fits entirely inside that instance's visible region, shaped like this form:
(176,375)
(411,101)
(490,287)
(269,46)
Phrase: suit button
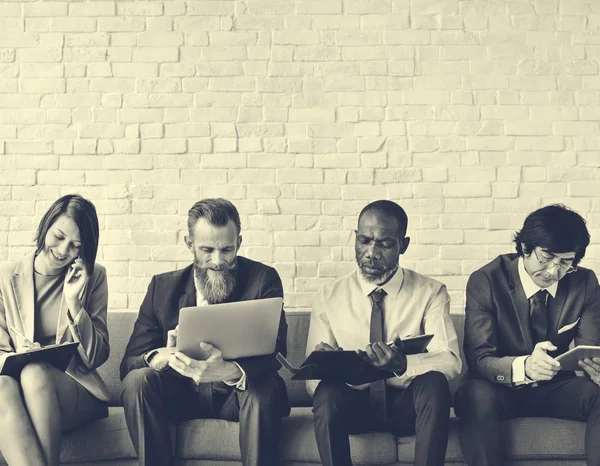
(500,378)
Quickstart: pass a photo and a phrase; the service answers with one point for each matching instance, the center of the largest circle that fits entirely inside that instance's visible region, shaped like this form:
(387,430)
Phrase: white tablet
(240,329)
(568,361)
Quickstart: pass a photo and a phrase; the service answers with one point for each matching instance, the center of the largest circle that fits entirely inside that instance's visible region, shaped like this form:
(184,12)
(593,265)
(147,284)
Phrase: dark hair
(84,215)
(555,228)
(388,209)
(216,211)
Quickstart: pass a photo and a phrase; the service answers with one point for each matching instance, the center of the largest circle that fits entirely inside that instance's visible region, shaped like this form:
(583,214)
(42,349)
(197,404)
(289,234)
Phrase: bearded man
(376,303)
(162,386)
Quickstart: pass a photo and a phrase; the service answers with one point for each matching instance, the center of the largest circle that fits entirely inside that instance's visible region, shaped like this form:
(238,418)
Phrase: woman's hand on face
(75,281)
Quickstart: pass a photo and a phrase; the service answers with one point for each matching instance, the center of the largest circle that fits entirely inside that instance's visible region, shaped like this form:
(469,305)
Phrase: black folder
(58,355)
(345,366)
(348,366)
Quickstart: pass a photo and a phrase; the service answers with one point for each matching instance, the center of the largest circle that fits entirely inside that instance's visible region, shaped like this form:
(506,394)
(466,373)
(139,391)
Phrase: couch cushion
(525,439)
(298,323)
(105,439)
(208,438)
(219,440)
(547,438)
(120,327)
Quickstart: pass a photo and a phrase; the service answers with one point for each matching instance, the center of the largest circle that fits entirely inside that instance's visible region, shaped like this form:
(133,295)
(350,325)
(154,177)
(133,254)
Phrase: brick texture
(469,113)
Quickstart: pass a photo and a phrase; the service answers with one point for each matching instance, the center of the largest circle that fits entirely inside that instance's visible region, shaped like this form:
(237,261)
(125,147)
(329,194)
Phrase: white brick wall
(469,113)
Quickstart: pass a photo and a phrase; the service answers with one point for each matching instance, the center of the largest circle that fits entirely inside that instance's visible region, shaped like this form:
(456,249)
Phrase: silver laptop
(238,330)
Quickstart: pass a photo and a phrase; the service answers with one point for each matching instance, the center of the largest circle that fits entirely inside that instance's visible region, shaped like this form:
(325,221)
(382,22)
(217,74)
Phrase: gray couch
(215,442)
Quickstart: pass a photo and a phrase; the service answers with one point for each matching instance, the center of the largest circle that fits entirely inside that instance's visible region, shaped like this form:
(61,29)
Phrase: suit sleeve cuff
(73,321)
(240,384)
(518,371)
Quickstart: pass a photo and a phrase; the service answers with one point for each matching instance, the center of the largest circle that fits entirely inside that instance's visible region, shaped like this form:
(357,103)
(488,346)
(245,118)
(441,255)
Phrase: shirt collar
(391,287)
(529,286)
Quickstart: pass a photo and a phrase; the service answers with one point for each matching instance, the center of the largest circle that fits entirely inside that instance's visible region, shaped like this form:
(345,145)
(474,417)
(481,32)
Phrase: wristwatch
(149,355)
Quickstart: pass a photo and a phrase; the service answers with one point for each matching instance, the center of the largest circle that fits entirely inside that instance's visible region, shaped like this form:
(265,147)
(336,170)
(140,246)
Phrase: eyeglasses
(564,265)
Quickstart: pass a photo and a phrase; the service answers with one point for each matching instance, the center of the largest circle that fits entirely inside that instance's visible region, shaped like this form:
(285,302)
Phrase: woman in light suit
(57,294)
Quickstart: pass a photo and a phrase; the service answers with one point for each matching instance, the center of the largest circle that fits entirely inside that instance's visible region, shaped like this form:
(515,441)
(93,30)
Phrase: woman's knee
(9,388)
(10,394)
(37,376)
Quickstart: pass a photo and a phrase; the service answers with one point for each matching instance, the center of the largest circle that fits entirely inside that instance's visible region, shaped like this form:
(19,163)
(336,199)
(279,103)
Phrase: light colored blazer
(89,328)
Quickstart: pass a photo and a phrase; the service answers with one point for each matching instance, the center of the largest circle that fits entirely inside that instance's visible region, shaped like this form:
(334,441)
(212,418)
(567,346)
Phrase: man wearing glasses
(522,311)
(374,304)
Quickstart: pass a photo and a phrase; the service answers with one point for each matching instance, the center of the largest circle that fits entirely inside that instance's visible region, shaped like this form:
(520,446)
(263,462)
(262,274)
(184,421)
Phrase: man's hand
(592,368)
(386,357)
(214,369)
(326,347)
(539,366)
(160,360)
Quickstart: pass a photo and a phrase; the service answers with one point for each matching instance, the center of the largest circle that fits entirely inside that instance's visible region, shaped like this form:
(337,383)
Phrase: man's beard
(216,283)
(381,277)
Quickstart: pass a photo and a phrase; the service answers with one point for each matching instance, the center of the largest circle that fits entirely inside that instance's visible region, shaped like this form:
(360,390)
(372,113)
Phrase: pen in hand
(27,343)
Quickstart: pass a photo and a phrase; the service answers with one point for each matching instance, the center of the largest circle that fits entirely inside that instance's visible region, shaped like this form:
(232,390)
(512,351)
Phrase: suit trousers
(153,399)
(482,406)
(422,409)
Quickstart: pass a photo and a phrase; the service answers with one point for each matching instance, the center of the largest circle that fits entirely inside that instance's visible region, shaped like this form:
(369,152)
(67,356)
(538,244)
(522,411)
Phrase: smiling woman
(62,245)
(61,230)
(57,294)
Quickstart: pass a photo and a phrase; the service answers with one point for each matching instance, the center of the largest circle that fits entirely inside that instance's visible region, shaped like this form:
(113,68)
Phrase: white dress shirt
(530,288)
(414,305)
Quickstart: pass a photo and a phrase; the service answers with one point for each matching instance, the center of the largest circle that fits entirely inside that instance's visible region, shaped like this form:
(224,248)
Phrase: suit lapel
(188,298)
(520,304)
(23,288)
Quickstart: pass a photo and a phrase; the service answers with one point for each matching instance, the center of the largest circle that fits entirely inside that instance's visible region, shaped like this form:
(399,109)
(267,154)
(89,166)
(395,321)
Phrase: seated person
(522,311)
(366,308)
(162,385)
(57,294)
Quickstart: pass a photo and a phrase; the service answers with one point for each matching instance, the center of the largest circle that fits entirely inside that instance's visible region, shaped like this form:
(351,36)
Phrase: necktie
(539,317)
(377,389)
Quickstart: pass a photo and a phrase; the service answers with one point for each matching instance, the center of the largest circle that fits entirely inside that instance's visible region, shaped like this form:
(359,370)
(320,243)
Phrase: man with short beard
(161,385)
(379,302)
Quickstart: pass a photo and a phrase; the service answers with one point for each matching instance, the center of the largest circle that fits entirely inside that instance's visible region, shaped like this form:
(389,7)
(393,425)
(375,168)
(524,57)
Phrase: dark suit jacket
(497,325)
(171,291)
